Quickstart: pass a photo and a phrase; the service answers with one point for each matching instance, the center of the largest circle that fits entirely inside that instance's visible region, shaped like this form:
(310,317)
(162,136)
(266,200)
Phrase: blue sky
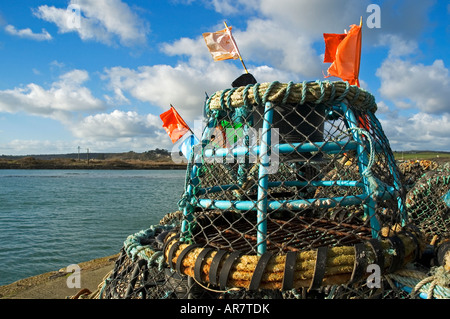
(101,84)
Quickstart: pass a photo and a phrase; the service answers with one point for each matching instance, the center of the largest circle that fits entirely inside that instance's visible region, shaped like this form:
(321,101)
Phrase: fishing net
(292,192)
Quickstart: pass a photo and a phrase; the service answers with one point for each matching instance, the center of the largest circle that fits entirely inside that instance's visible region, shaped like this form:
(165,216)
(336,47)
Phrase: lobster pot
(293,191)
(287,180)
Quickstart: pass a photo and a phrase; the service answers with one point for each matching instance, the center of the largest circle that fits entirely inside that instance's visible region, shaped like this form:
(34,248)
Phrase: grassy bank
(431,156)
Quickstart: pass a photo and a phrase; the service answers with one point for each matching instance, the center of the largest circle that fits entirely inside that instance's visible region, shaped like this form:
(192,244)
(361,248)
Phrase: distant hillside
(159,155)
(154,159)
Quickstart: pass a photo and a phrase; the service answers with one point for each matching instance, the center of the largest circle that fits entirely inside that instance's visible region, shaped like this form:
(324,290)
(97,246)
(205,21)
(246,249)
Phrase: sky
(99,81)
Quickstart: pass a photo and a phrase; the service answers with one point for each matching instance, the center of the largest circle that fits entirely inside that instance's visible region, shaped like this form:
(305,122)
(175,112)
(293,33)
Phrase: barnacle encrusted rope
(338,265)
(316,92)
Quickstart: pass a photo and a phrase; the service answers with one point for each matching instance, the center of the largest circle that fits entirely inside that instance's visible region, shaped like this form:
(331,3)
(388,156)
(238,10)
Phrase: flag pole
(360,26)
(235,46)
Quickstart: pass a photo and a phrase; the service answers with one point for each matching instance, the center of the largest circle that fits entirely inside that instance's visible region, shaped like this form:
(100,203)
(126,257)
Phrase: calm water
(50,219)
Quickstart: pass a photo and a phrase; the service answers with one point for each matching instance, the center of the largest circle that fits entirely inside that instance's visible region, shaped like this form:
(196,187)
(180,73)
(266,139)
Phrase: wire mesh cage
(292,188)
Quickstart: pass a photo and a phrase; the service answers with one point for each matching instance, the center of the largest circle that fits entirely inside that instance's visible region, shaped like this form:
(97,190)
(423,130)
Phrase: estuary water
(50,219)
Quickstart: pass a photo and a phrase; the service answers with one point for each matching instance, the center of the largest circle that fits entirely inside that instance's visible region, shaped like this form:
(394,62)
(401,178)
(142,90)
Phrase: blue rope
(256,94)
(230,93)
(288,92)
(269,89)
(245,95)
(134,249)
(355,98)
(303,93)
(322,92)
(343,95)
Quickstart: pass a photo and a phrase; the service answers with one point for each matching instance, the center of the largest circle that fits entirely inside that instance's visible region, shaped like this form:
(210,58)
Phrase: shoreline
(53,284)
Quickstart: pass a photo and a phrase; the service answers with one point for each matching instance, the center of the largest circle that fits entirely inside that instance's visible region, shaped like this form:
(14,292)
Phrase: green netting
(426,204)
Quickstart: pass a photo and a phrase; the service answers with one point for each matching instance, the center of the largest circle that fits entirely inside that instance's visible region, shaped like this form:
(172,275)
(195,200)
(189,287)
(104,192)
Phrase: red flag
(344,51)
(174,125)
(332,41)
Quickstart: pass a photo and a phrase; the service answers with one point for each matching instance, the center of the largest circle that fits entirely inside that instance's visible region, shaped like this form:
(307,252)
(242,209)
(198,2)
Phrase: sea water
(50,219)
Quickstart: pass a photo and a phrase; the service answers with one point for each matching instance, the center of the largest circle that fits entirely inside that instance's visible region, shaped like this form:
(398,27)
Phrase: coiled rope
(435,285)
(316,92)
(135,249)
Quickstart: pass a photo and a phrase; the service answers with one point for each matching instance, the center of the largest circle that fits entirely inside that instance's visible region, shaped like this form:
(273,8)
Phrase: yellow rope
(339,266)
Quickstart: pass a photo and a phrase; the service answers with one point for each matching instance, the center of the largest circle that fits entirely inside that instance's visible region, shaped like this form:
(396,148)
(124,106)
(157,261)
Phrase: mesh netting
(291,167)
(428,203)
(292,192)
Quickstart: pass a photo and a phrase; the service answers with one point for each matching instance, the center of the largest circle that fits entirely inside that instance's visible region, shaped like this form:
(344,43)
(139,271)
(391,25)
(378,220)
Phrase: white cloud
(58,146)
(65,96)
(382,108)
(116,131)
(194,48)
(398,45)
(227,7)
(420,131)
(267,42)
(424,87)
(28,33)
(119,131)
(183,85)
(100,20)
(117,124)
(313,18)
(32,147)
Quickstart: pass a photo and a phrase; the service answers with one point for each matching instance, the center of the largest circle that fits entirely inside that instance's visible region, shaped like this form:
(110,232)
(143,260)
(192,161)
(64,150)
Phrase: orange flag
(344,51)
(174,124)
(221,45)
